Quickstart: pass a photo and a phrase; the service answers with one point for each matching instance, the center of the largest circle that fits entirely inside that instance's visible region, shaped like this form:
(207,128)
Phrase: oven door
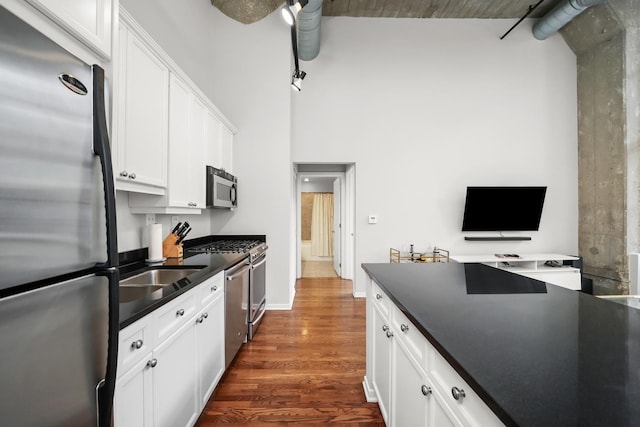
(257,294)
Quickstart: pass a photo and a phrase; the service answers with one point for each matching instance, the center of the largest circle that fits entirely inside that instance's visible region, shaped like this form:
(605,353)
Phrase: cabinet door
(87,20)
(410,391)
(226,149)
(179,102)
(143,106)
(382,362)
(210,348)
(195,170)
(212,144)
(132,403)
(174,380)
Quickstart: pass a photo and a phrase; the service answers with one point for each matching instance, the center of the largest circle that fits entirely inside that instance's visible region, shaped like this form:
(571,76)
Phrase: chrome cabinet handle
(152,363)
(200,319)
(404,328)
(458,393)
(214,288)
(205,315)
(124,174)
(378,296)
(389,334)
(180,312)
(193,204)
(385,328)
(132,176)
(425,390)
(137,344)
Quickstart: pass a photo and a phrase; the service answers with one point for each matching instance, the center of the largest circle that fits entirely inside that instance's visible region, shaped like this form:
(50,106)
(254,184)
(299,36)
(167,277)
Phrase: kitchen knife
(183,227)
(182,236)
(176,228)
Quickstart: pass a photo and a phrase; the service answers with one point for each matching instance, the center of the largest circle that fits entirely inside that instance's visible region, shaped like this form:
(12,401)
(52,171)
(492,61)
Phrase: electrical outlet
(175,219)
(150,219)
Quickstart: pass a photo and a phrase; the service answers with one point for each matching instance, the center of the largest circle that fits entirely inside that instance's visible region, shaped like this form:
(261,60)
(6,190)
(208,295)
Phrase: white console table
(532,265)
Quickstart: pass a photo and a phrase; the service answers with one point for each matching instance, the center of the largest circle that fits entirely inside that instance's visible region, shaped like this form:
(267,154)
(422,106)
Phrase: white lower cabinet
(413,383)
(164,380)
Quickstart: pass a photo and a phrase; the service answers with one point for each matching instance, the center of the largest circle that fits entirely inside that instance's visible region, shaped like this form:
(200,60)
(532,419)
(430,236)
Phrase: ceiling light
(291,8)
(306,180)
(296,79)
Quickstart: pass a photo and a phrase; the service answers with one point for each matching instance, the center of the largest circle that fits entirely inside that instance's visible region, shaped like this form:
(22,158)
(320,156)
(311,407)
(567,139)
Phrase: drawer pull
(457,393)
(389,334)
(205,315)
(426,390)
(124,174)
(404,328)
(378,296)
(137,344)
(152,363)
(132,176)
(385,328)
(200,319)
(214,288)
(180,312)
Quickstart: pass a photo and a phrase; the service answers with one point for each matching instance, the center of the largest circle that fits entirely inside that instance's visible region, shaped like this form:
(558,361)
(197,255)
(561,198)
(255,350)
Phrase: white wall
(427,107)
(319,186)
(245,70)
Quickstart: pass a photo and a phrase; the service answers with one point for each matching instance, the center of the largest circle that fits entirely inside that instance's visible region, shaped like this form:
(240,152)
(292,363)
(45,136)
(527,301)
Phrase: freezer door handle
(102,150)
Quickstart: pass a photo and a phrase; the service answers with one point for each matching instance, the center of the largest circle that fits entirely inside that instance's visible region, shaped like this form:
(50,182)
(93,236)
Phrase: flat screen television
(503,208)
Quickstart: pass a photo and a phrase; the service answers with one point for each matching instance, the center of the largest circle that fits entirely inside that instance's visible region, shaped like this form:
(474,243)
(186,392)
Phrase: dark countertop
(209,264)
(537,354)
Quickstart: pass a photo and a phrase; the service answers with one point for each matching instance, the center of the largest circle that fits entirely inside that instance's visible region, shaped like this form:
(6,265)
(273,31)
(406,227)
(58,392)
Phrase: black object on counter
(560,358)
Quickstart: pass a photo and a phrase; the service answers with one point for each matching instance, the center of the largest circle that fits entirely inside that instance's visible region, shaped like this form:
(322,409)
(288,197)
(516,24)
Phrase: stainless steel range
(256,260)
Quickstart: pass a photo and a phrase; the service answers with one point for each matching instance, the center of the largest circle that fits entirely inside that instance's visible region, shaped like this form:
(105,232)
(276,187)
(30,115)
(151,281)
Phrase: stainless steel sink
(158,277)
(130,293)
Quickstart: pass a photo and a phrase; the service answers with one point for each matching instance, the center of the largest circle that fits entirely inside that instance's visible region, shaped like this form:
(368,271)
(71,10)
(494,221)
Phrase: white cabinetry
(412,382)
(533,266)
(141,93)
(171,360)
(87,20)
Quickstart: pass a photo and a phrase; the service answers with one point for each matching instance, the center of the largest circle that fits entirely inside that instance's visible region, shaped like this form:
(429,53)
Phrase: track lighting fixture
(296,79)
(291,8)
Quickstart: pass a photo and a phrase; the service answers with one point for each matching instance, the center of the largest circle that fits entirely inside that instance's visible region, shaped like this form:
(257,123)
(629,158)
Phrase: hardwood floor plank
(304,367)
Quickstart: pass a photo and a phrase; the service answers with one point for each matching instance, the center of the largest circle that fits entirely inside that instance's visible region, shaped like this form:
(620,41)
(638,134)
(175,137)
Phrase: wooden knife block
(169,247)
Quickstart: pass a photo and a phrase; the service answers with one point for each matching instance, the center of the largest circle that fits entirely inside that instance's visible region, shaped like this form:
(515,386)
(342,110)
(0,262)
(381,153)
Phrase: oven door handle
(264,259)
(238,273)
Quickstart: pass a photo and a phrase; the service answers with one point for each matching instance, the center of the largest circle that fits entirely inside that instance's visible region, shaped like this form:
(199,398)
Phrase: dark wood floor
(304,367)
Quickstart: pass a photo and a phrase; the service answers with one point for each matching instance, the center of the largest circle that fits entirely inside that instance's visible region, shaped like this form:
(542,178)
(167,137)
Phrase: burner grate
(226,246)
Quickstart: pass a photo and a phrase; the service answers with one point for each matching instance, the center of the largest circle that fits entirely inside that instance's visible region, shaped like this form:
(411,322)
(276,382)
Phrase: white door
(337,232)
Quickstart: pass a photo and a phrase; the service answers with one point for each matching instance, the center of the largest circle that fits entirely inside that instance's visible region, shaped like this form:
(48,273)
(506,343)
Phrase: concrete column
(605,40)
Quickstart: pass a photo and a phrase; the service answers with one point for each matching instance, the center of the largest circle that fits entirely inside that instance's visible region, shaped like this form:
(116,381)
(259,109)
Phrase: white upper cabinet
(179,100)
(88,20)
(140,149)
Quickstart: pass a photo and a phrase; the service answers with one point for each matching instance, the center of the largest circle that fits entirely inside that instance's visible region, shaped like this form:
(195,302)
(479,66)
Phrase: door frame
(347,204)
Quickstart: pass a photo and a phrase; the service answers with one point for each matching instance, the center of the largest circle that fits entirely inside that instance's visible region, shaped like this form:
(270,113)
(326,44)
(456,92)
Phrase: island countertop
(537,354)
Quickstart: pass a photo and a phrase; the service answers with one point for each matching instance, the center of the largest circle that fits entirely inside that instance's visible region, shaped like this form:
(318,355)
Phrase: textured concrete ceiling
(248,11)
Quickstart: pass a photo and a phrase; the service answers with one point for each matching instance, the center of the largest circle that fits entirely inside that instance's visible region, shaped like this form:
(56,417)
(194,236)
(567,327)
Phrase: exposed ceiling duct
(308,24)
(560,16)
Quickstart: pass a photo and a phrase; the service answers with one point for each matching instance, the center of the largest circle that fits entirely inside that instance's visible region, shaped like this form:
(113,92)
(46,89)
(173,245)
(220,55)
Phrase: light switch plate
(150,219)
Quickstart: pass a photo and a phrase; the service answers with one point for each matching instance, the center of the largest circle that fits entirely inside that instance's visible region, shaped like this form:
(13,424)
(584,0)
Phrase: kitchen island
(521,351)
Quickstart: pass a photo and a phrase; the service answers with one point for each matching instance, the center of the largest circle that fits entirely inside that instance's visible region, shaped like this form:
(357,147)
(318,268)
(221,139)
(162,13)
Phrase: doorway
(315,185)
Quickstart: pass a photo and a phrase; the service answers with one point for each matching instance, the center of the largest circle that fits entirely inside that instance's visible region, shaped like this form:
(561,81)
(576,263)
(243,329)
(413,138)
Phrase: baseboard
(369,392)
(360,294)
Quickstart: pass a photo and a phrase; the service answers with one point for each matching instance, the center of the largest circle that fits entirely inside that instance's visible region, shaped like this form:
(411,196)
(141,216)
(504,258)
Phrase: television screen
(503,208)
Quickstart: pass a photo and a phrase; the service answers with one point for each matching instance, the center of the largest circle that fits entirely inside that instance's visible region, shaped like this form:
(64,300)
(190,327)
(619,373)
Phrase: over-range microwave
(222,189)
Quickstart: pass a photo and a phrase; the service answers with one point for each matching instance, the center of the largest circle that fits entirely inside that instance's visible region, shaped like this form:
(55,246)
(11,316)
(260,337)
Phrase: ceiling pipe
(560,16)
(308,23)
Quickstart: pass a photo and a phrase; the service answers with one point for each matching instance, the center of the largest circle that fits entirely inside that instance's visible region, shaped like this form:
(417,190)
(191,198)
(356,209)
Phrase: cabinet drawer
(211,288)
(409,334)
(135,341)
(174,314)
(471,410)
(380,299)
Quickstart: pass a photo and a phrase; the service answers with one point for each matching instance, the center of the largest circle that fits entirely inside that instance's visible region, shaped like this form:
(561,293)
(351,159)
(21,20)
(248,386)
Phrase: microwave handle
(234,195)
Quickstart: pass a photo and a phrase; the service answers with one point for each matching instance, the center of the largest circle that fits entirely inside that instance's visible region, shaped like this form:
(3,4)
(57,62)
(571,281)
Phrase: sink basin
(130,293)
(158,277)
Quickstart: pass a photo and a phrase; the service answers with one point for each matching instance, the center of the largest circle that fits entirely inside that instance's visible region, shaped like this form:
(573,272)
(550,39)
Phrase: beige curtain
(322,225)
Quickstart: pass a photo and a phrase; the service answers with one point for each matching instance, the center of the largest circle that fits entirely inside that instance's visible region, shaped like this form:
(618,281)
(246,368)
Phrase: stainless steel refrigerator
(58,249)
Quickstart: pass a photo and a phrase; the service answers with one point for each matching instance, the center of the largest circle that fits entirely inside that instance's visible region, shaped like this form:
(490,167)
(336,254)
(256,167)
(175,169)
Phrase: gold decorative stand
(437,255)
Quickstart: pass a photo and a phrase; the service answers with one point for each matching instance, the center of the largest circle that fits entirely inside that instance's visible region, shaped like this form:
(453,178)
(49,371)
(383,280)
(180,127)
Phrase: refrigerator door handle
(101,148)
(106,388)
